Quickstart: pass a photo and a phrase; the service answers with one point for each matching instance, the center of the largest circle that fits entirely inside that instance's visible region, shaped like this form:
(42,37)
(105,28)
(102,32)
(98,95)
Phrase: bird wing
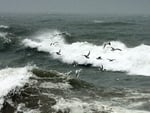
(59,50)
(88,53)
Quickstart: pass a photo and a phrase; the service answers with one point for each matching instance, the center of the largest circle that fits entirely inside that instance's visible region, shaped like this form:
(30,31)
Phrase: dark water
(96,29)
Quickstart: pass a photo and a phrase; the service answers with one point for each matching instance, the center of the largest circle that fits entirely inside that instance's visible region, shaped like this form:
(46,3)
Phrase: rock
(7,108)
(42,73)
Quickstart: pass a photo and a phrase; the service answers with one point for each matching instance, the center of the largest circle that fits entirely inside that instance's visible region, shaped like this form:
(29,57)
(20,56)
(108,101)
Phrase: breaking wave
(4,27)
(56,93)
(4,37)
(114,57)
(114,23)
(12,78)
(98,21)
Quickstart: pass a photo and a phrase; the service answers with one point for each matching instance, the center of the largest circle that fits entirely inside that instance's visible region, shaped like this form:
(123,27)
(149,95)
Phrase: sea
(73,63)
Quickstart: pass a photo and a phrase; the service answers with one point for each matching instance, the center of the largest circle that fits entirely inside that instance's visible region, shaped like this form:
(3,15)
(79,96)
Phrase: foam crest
(114,57)
(12,78)
(2,34)
(4,38)
(98,21)
(4,26)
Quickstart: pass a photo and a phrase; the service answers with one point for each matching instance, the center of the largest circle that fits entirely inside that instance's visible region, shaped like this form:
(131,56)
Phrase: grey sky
(77,6)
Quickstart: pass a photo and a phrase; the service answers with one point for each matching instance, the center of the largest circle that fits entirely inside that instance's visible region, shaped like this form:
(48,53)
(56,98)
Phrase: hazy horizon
(76,6)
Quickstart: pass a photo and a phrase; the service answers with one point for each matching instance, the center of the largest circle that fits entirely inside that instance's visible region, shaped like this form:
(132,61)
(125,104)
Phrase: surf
(11,79)
(129,60)
(4,27)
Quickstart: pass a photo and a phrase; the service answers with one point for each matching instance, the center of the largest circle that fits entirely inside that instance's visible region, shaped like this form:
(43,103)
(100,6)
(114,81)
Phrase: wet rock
(31,102)
(79,84)
(42,73)
(30,90)
(48,101)
(7,108)
(46,104)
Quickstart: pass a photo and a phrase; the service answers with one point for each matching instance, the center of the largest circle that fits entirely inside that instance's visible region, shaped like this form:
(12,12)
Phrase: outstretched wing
(59,50)
(88,53)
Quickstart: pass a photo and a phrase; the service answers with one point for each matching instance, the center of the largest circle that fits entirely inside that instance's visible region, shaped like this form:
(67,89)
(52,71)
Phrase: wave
(53,91)
(12,78)
(108,23)
(98,21)
(134,61)
(4,38)
(4,27)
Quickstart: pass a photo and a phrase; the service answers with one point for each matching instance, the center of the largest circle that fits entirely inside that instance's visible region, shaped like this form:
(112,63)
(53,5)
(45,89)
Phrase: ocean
(63,63)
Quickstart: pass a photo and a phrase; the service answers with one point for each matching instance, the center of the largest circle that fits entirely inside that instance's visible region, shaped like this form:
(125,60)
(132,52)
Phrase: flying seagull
(111,60)
(87,56)
(114,49)
(58,53)
(106,44)
(99,58)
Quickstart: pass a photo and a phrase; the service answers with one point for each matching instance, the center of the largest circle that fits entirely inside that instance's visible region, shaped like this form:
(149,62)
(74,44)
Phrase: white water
(3,36)
(98,21)
(12,78)
(4,26)
(77,106)
(21,108)
(50,85)
(134,61)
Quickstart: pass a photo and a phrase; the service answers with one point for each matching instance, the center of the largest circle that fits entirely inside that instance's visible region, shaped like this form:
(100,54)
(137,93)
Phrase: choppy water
(36,39)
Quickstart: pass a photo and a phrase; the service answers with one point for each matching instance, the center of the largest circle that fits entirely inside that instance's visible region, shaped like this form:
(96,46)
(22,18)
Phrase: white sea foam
(131,60)
(78,106)
(4,26)
(21,108)
(3,36)
(11,78)
(74,106)
(61,86)
(98,21)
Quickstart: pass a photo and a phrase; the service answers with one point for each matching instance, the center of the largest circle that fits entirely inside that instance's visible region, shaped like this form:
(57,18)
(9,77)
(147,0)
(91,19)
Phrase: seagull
(77,73)
(114,49)
(58,53)
(106,44)
(68,73)
(99,58)
(101,68)
(111,60)
(74,63)
(53,43)
(87,56)
(63,33)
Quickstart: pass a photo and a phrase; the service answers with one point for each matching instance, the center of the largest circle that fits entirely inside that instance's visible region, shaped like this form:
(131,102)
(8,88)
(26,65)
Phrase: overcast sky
(76,6)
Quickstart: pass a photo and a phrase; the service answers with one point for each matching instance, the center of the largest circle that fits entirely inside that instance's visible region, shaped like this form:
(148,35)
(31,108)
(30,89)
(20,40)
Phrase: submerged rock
(43,73)
(79,83)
